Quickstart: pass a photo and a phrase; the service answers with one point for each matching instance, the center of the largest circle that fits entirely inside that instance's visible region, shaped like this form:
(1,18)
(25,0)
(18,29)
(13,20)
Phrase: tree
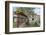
(26,10)
(19,9)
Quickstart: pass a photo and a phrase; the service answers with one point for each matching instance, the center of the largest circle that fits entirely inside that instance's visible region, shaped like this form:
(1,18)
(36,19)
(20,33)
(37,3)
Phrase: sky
(37,10)
(14,9)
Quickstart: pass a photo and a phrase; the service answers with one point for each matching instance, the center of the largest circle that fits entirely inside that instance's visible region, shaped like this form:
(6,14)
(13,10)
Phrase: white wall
(2,18)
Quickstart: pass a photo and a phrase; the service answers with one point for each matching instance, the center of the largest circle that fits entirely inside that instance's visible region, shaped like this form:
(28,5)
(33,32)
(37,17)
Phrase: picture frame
(37,8)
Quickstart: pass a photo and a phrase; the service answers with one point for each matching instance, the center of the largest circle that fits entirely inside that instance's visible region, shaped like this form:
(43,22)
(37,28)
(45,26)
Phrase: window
(32,18)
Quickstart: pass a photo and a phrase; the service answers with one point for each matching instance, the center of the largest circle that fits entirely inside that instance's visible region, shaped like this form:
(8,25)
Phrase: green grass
(14,25)
(29,25)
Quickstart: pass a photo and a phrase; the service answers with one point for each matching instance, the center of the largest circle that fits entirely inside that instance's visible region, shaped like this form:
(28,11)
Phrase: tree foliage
(26,10)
